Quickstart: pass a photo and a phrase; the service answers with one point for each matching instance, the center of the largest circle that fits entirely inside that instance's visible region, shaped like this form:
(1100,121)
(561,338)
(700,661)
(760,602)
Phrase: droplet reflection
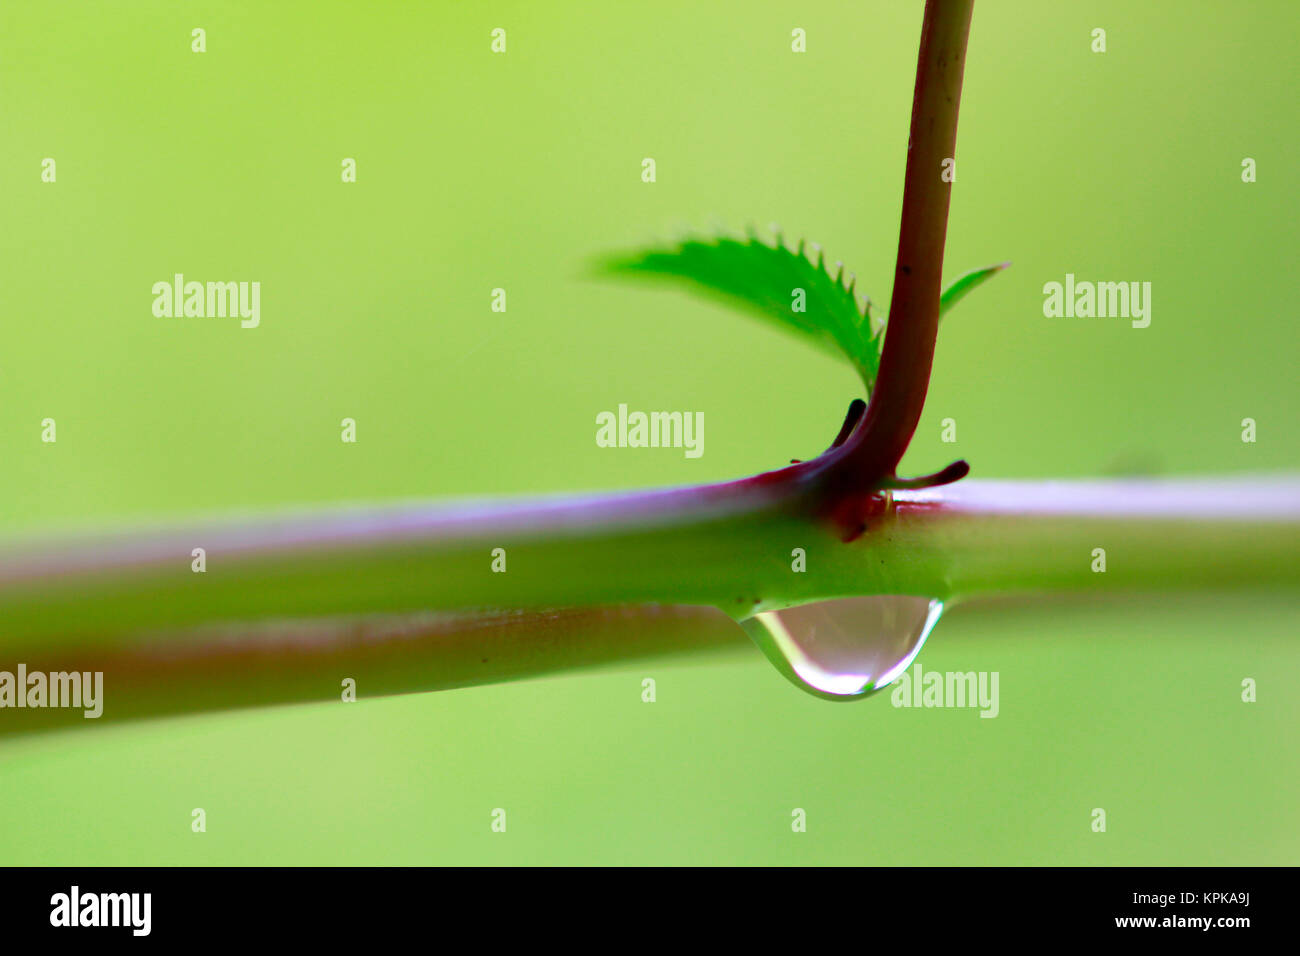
(845,648)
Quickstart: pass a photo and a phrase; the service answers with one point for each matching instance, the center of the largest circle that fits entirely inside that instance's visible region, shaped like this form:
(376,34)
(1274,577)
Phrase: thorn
(801,245)
(857,408)
(954,472)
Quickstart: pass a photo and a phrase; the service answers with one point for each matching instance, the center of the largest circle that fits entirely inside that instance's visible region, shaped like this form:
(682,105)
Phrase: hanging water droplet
(845,648)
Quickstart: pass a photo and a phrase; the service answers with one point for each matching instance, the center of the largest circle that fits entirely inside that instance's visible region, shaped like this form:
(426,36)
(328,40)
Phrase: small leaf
(958,290)
(763,279)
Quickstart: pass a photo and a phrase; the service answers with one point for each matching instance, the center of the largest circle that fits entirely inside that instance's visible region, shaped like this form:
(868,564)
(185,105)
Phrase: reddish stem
(869,458)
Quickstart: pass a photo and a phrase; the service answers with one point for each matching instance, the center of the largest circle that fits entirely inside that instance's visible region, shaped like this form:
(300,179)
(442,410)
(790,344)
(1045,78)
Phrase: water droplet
(845,648)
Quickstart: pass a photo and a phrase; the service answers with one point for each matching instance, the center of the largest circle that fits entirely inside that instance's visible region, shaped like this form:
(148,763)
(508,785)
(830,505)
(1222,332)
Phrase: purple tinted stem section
(1192,499)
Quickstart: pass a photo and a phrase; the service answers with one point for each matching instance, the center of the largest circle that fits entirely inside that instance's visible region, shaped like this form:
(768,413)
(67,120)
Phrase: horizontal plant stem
(404,599)
(723,545)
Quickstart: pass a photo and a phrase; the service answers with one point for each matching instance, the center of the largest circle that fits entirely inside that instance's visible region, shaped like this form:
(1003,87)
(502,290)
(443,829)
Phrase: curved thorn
(954,472)
(856,409)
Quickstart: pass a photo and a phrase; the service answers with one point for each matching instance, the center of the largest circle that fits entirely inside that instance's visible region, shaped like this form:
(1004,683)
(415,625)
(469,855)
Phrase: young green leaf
(959,289)
(786,287)
(775,283)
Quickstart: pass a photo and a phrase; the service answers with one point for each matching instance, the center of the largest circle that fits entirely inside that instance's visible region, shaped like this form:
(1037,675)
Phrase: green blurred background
(478,171)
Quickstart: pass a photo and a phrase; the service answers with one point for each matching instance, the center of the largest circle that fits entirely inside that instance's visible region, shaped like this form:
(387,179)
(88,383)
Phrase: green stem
(289,607)
(723,545)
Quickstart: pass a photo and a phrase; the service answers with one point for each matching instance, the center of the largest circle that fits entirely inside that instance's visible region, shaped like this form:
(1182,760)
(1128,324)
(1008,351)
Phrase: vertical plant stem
(873,453)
